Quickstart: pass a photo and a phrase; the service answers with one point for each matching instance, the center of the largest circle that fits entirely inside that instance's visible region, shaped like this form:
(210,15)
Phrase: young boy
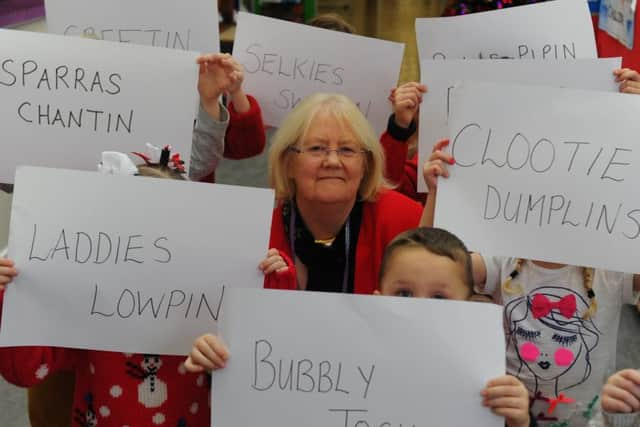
(423,263)
(433,263)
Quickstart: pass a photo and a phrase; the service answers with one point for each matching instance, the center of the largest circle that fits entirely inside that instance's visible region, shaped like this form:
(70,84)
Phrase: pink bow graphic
(541,306)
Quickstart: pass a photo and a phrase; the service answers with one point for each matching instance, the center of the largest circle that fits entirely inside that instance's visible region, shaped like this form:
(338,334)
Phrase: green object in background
(309,7)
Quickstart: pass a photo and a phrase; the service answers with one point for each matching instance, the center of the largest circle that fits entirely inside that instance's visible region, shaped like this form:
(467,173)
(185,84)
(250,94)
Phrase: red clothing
(401,171)
(609,46)
(382,220)
(245,135)
(116,389)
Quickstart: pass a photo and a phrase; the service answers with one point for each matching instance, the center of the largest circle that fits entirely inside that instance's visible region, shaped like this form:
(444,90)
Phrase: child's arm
(507,396)
(246,134)
(207,145)
(629,80)
(433,169)
(208,353)
(29,366)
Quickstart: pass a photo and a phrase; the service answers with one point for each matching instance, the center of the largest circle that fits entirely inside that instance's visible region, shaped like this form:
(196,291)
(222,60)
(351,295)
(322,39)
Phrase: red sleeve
(395,153)
(279,241)
(245,135)
(29,366)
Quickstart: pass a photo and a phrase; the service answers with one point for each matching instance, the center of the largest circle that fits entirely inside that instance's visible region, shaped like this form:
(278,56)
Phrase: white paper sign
(544,173)
(323,360)
(441,76)
(285,62)
(617,17)
(126,263)
(65,100)
(161,23)
(560,29)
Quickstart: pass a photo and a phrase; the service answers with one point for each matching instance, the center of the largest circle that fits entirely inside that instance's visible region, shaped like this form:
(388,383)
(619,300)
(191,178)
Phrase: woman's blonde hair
(294,128)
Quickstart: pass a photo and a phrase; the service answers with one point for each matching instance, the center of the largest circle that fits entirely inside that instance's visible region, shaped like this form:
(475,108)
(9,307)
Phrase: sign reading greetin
(560,29)
(323,360)
(160,23)
(65,100)
(617,17)
(285,62)
(441,77)
(542,171)
(124,263)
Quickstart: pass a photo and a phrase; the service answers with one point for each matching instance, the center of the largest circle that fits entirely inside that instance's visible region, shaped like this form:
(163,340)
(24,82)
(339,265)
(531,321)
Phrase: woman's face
(327,178)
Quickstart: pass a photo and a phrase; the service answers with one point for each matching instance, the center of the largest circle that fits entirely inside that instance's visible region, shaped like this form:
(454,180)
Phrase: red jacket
(245,136)
(382,220)
(400,171)
(609,46)
(116,389)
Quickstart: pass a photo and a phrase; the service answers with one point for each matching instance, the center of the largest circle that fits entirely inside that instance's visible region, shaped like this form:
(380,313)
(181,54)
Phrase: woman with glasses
(335,212)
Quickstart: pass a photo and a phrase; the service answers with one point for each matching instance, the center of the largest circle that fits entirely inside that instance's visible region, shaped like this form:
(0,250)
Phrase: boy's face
(416,272)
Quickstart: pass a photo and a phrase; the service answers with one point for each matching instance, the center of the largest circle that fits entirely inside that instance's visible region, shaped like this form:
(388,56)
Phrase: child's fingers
(190,366)
(615,399)
(505,402)
(6,262)
(627,74)
(199,359)
(504,380)
(209,57)
(511,414)
(629,86)
(497,391)
(441,155)
(632,375)
(440,145)
(218,346)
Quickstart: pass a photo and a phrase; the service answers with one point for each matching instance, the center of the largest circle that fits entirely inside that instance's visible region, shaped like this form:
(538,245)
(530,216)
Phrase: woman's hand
(7,272)
(208,353)
(507,396)
(621,393)
(436,166)
(274,262)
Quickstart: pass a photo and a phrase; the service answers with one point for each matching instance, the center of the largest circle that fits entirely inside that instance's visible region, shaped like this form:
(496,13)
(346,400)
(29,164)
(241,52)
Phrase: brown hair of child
(331,21)
(437,241)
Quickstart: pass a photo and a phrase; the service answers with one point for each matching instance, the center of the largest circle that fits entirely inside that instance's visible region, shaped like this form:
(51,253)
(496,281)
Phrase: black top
(325,264)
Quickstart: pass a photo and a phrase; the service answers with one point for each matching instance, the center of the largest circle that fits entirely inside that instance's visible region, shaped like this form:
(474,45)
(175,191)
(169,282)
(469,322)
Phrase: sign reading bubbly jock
(160,23)
(285,62)
(441,77)
(554,30)
(366,361)
(65,100)
(539,178)
(122,263)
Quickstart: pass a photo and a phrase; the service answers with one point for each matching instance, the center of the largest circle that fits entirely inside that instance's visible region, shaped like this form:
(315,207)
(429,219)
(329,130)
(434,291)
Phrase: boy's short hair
(438,242)
(331,21)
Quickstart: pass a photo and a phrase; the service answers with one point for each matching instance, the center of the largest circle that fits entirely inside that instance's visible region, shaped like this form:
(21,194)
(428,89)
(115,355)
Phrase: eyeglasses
(322,151)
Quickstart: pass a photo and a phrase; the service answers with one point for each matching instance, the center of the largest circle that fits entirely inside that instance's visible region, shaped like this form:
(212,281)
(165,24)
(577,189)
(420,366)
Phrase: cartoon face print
(151,363)
(550,336)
